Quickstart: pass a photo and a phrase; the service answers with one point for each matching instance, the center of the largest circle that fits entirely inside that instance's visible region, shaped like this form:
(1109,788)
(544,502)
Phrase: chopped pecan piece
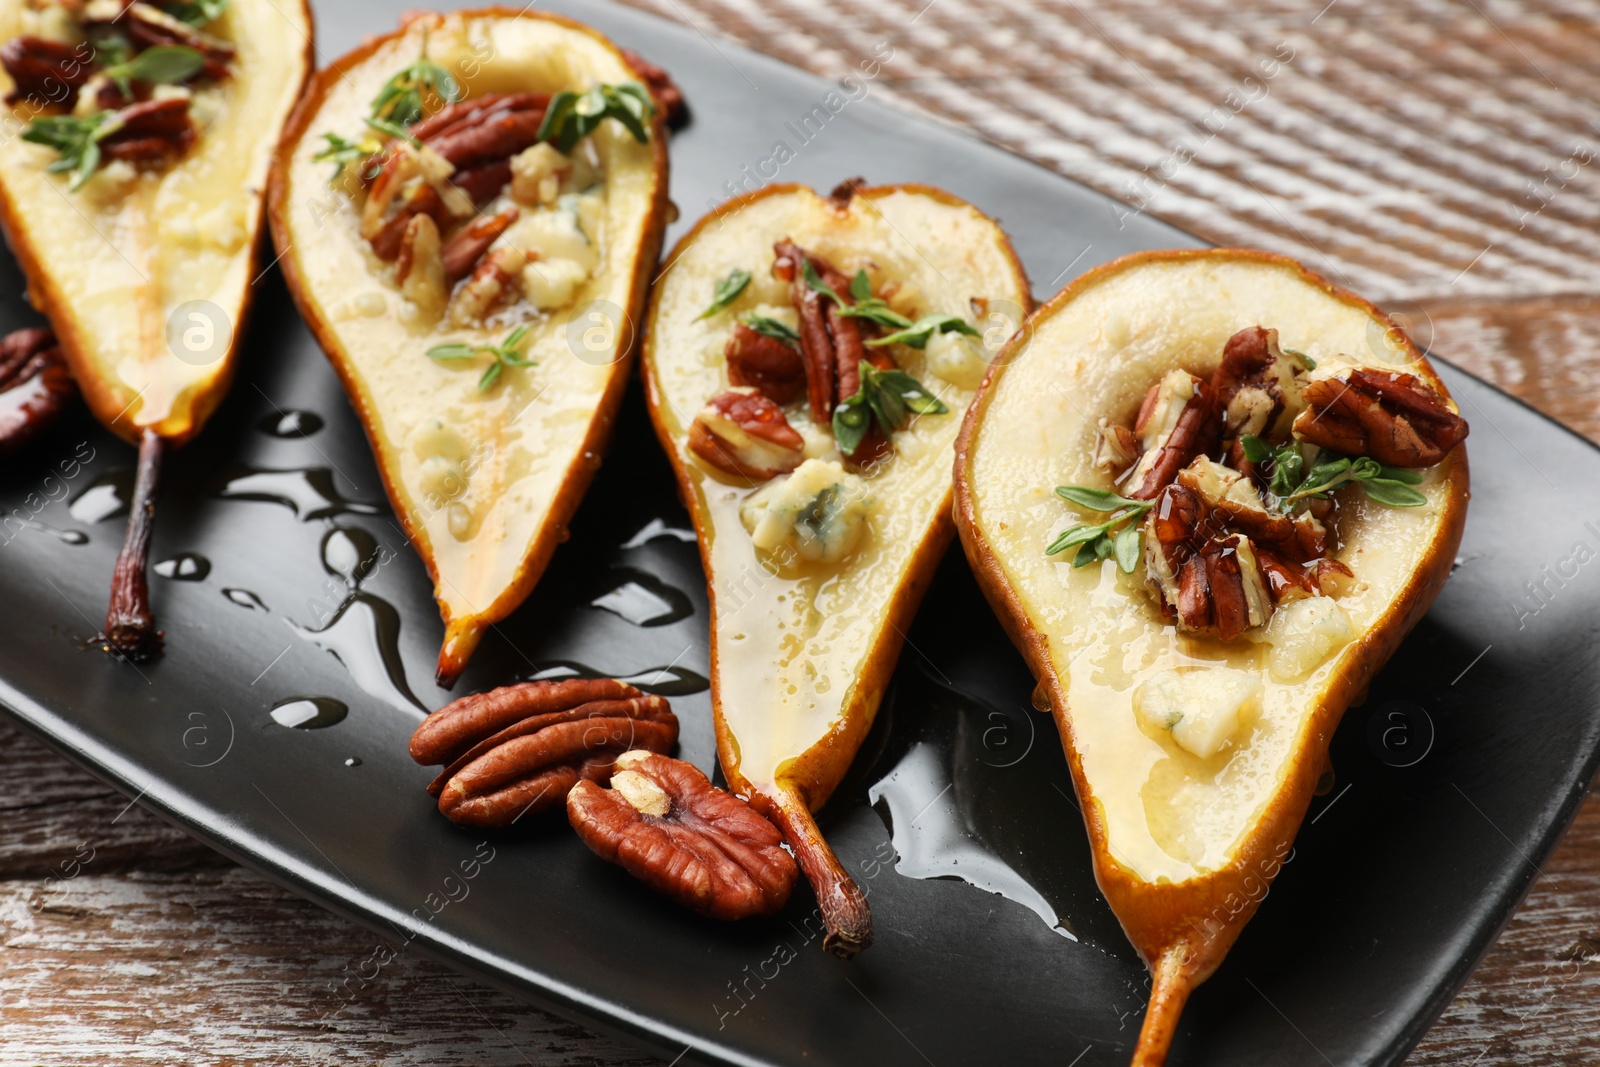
(667,94)
(1396,418)
(743,433)
(1174,531)
(1221,589)
(45,71)
(1116,448)
(766,364)
(1256,387)
(520,748)
(35,386)
(151,131)
(493,282)
(468,245)
(1177,422)
(663,822)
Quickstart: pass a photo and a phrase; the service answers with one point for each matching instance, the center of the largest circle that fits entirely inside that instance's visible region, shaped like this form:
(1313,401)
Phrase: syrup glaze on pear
(1184,846)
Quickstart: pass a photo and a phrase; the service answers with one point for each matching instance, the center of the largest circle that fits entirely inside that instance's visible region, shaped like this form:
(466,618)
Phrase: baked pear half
(131,188)
(1208,494)
(807,361)
(468,211)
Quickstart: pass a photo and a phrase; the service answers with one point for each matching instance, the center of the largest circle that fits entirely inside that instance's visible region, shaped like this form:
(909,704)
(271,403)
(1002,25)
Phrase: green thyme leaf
(1098,499)
(727,290)
(1400,474)
(890,397)
(1124,543)
(1256,450)
(404,98)
(861,287)
(342,152)
(1128,548)
(851,420)
(198,13)
(393,129)
(1392,494)
(1310,363)
(76,140)
(815,282)
(506,354)
(570,117)
(160,64)
(917,334)
(772,328)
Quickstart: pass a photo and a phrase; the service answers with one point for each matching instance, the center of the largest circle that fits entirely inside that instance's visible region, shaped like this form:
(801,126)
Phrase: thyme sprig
(865,306)
(573,116)
(888,396)
(506,354)
(1290,482)
(76,141)
(1118,536)
(404,98)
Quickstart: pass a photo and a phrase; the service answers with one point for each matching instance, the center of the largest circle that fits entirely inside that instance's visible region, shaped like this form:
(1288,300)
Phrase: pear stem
(1169,992)
(846,919)
(130,624)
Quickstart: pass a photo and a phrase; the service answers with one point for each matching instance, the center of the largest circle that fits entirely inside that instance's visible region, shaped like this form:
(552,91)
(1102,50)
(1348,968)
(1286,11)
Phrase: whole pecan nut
(518,749)
(35,386)
(1396,418)
(663,822)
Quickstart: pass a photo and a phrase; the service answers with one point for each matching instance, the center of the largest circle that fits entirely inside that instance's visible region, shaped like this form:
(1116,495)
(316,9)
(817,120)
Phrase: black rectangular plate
(1454,779)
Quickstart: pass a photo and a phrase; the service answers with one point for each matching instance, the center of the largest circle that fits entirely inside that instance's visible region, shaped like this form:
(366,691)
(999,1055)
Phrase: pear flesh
(484,480)
(1194,758)
(146,275)
(804,640)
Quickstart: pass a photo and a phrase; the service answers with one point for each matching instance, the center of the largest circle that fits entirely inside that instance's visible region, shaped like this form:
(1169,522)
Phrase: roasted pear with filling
(131,192)
(807,362)
(1208,493)
(468,212)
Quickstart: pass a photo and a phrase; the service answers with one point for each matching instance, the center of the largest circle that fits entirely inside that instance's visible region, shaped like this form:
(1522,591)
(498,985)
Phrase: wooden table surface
(1434,155)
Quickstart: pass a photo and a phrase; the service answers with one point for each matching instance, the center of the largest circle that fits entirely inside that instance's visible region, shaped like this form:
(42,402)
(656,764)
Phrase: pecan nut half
(518,749)
(766,364)
(45,71)
(743,433)
(1396,418)
(663,822)
(35,386)
(1178,421)
(150,131)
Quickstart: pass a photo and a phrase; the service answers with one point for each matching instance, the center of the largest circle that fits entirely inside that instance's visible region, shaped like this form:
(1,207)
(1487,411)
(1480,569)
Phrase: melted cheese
(790,647)
(126,255)
(1170,815)
(523,437)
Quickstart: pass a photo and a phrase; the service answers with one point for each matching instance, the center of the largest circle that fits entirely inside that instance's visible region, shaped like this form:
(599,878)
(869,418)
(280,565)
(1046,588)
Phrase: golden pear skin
(522,453)
(800,656)
(1184,847)
(147,275)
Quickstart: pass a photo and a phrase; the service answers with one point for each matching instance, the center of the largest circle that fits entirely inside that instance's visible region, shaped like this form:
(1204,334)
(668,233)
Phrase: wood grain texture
(1436,155)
